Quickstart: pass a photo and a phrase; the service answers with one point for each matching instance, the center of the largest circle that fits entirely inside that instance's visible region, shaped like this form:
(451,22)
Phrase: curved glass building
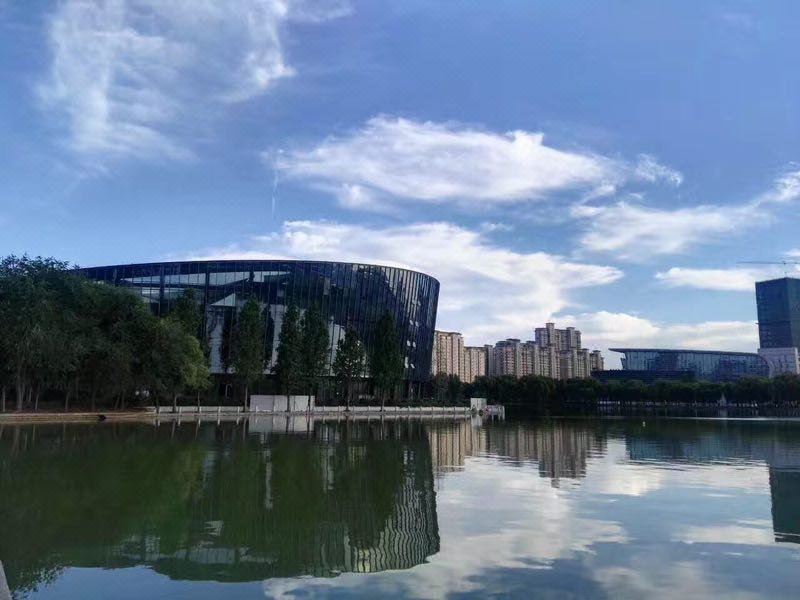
(706,365)
(348,294)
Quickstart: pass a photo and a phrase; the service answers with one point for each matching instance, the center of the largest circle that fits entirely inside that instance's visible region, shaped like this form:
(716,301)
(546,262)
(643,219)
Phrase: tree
(752,390)
(349,362)
(440,386)
(786,389)
(289,365)
(248,355)
(61,332)
(455,389)
(27,307)
(188,314)
(315,348)
(387,360)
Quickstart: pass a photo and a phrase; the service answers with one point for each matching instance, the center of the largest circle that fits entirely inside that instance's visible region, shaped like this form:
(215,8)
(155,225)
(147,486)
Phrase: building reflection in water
(284,497)
(702,442)
(561,449)
(214,502)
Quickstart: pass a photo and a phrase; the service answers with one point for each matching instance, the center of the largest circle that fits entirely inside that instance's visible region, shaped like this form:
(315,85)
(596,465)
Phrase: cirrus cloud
(133,78)
(633,231)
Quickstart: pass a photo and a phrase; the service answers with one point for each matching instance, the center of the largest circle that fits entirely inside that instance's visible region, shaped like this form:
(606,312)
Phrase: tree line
(63,336)
(303,352)
(533,391)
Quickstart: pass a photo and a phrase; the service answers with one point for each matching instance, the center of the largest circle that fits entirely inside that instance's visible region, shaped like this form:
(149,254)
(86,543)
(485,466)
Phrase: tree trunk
(20,385)
(66,399)
(174,403)
(198,402)
(246,395)
(3,400)
(94,394)
(36,401)
(30,395)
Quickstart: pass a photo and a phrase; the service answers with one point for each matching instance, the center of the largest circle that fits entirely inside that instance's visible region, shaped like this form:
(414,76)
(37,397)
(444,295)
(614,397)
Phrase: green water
(427,509)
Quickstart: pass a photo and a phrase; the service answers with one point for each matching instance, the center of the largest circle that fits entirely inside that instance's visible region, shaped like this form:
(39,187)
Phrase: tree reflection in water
(216,502)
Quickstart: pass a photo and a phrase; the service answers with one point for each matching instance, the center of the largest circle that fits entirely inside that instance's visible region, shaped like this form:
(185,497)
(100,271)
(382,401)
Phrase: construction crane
(785,263)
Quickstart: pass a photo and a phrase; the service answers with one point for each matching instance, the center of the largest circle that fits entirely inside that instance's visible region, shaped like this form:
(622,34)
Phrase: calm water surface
(556,509)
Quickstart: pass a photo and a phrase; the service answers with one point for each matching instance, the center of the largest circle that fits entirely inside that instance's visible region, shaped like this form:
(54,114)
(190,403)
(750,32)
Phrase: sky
(607,165)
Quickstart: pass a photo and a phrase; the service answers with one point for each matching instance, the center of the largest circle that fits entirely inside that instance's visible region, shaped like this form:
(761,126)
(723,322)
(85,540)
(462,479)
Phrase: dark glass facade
(705,365)
(348,294)
(778,302)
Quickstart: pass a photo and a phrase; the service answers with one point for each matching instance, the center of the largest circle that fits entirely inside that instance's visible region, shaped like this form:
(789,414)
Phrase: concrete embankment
(212,413)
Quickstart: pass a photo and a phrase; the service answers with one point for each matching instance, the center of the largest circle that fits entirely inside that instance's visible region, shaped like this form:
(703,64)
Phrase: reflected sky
(559,508)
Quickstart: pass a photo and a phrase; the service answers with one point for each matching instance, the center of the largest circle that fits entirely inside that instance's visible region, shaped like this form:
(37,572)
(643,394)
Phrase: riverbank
(213,413)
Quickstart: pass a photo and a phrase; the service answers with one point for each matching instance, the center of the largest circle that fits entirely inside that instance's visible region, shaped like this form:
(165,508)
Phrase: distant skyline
(603,165)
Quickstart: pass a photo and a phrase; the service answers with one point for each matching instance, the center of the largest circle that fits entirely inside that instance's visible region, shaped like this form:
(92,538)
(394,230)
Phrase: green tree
(289,364)
(387,360)
(348,366)
(786,389)
(752,390)
(187,312)
(28,311)
(315,349)
(248,356)
(440,382)
(455,389)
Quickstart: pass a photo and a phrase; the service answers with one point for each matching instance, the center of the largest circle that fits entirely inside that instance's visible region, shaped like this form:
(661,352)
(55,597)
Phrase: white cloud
(395,158)
(635,232)
(134,77)
(748,534)
(632,231)
(487,292)
(725,280)
(605,330)
(649,169)
(530,524)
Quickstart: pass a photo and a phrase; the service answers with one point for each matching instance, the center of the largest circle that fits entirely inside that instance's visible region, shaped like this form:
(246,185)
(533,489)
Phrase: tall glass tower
(778,302)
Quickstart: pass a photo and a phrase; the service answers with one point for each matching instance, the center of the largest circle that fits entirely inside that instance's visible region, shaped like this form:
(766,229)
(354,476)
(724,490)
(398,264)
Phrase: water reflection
(216,502)
(570,508)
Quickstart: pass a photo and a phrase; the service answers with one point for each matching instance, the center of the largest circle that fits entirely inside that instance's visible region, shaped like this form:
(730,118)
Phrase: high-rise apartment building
(561,339)
(507,358)
(555,353)
(475,363)
(448,353)
(596,362)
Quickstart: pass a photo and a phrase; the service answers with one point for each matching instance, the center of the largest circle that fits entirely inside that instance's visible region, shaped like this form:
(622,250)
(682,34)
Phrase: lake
(279,508)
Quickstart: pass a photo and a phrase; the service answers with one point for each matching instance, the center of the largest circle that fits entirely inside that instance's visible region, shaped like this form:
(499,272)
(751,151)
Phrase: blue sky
(603,164)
